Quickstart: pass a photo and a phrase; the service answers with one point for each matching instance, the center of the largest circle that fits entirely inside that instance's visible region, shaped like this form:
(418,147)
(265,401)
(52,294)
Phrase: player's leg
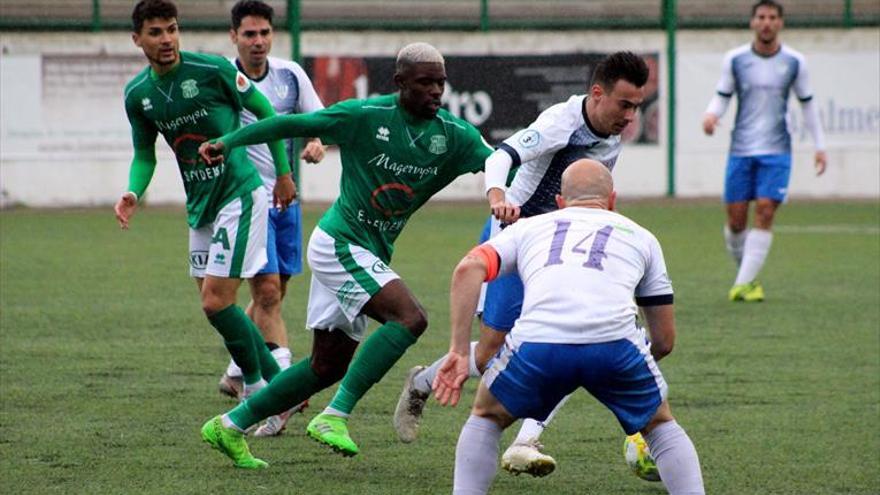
(527,451)
(235,250)
(636,394)
(476,452)
(501,308)
(739,184)
(772,176)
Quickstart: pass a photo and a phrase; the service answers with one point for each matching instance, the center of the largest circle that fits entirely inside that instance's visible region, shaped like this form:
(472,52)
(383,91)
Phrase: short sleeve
(505,244)
(655,282)
(802,81)
(143,132)
(727,83)
(235,84)
(308,98)
(473,152)
(547,134)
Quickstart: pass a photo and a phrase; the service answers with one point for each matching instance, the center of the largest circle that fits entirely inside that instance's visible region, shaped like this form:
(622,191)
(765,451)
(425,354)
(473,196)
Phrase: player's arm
(811,115)
(478,266)
(143,164)
(314,149)
(721,100)
(497,170)
(285,190)
(660,320)
(328,124)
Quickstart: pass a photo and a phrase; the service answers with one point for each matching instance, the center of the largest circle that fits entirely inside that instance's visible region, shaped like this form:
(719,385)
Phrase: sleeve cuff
(661,300)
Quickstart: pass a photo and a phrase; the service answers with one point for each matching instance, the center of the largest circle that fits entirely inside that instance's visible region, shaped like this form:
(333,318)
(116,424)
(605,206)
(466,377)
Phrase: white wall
(64,136)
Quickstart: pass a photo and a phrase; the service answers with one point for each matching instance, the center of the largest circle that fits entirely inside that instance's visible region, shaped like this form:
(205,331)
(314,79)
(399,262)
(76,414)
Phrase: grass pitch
(108,368)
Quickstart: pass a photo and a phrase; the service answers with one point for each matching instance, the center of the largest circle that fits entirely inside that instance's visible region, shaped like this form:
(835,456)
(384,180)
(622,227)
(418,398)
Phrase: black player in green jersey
(189,97)
(397,151)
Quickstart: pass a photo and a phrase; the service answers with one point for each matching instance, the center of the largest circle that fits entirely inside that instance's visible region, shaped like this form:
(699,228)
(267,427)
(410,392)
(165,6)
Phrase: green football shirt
(392,162)
(198,100)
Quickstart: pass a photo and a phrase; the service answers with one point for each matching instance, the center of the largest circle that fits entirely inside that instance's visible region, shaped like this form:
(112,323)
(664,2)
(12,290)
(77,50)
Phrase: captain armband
(489,256)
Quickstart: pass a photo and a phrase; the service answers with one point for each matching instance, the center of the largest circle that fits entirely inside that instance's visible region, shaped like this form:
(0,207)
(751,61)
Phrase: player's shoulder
(455,124)
(136,82)
(204,61)
(569,111)
(744,50)
(280,64)
(789,52)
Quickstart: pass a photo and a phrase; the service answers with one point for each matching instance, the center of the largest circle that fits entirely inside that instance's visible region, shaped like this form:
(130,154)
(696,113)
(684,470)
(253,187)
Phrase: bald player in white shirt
(762,74)
(585,270)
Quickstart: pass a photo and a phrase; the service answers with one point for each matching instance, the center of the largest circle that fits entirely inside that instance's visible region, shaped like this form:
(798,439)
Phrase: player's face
(766,23)
(615,109)
(253,38)
(160,41)
(421,86)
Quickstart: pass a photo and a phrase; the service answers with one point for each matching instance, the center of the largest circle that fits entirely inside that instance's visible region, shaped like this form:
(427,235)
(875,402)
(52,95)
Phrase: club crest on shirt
(281,91)
(189,88)
(242,83)
(529,139)
(438,144)
(148,105)
(382,134)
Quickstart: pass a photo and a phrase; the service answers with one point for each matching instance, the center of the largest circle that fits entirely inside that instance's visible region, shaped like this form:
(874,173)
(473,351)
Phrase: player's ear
(233,36)
(398,80)
(596,91)
(560,201)
(136,39)
(612,200)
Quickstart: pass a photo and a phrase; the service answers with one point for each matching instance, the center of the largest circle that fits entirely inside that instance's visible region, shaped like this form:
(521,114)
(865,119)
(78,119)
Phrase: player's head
(154,30)
(420,75)
(252,31)
(766,20)
(587,183)
(616,91)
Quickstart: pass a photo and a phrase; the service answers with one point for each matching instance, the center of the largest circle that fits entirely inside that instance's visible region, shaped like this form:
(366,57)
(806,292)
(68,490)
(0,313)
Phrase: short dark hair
(767,3)
(151,9)
(244,8)
(620,65)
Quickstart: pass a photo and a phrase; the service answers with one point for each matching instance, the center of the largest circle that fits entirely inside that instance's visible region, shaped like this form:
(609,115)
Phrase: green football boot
(231,443)
(750,292)
(332,431)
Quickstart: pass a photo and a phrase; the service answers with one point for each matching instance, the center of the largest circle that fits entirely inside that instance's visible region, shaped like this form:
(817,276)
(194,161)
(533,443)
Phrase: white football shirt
(762,85)
(581,269)
(290,90)
(543,150)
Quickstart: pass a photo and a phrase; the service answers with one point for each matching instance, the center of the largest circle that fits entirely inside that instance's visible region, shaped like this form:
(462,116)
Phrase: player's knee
(416,321)
(212,305)
(329,370)
(267,297)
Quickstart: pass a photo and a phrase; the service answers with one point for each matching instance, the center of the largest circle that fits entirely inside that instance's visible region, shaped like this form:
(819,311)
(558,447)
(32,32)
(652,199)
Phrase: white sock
(282,356)
(335,412)
(252,388)
(734,242)
(755,251)
(476,456)
(531,429)
(227,422)
(233,370)
(676,459)
(424,380)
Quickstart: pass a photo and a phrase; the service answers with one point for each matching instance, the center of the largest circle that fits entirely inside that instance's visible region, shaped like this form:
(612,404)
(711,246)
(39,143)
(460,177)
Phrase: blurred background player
(762,75)
(189,97)
(285,84)
(397,151)
(586,126)
(584,265)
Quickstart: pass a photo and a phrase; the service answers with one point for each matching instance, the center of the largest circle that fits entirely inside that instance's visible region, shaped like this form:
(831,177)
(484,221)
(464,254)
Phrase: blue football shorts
(761,176)
(284,242)
(529,379)
(502,302)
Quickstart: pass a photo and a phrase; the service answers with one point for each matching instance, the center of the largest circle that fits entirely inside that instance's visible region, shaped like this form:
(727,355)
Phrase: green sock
(235,327)
(268,366)
(289,388)
(377,355)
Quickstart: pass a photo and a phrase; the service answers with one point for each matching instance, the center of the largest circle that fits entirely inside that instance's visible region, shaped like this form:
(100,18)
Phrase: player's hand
(710,122)
(505,212)
(212,152)
(821,162)
(450,378)
(125,208)
(284,192)
(313,151)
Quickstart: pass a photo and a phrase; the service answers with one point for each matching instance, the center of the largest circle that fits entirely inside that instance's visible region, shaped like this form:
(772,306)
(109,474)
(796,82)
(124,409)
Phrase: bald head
(587,182)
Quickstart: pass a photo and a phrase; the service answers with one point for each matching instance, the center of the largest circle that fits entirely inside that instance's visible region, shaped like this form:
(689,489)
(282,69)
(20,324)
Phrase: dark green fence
(485,15)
